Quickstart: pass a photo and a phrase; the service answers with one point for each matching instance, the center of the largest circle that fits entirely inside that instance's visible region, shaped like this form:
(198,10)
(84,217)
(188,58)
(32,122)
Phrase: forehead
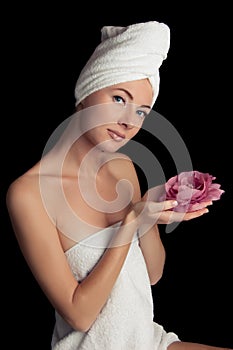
(135,85)
(139,92)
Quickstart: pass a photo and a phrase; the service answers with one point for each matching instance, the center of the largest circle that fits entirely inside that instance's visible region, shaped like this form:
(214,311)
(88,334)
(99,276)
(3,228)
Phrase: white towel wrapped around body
(125,54)
(126,320)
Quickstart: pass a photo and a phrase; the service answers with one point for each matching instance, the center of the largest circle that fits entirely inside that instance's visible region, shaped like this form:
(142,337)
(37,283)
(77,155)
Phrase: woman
(90,239)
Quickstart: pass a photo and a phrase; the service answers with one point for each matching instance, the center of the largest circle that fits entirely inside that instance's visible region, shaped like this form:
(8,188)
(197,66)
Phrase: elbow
(81,316)
(155,278)
(81,326)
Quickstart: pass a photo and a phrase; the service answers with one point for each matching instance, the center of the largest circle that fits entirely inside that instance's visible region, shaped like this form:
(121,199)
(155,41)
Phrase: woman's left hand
(170,216)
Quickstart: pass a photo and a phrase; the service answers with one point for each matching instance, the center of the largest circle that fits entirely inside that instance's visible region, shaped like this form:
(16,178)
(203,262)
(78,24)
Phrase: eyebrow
(131,96)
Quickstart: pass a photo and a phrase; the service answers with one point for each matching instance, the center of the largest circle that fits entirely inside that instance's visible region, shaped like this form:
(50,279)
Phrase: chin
(111,146)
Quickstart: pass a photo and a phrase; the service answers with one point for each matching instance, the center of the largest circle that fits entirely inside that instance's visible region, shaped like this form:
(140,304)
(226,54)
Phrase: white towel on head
(125,54)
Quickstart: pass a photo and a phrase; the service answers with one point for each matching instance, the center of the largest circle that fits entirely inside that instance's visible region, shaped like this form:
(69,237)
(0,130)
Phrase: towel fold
(125,54)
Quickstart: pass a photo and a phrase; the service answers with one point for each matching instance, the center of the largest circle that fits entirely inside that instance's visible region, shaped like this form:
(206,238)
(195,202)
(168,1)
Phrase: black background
(43,50)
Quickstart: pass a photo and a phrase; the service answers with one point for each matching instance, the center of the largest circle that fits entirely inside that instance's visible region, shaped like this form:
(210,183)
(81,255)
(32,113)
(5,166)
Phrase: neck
(83,154)
(73,150)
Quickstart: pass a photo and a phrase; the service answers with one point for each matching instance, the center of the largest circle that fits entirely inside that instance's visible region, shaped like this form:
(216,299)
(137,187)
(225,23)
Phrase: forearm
(153,252)
(92,293)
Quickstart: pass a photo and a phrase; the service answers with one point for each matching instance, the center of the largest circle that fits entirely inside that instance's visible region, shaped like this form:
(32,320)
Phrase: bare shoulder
(122,168)
(24,201)
(32,224)
(22,190)
(122,165)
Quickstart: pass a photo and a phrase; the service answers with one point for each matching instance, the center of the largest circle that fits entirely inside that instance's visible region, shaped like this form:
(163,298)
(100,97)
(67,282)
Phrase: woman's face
(113,115)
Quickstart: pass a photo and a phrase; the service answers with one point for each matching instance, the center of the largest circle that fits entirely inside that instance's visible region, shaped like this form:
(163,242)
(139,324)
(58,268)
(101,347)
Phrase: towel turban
(125,54)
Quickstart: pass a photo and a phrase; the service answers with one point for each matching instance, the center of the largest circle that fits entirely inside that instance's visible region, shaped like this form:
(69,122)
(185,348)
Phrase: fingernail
(175,203)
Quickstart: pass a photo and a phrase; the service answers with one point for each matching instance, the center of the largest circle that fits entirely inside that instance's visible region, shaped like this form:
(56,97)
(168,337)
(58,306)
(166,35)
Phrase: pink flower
(190,189)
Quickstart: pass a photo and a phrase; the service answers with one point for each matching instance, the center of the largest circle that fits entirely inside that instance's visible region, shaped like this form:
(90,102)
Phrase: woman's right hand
(150,212)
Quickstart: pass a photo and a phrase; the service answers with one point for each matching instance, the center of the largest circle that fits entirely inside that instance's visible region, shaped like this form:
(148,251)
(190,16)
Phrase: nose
(125,125)
(128,119)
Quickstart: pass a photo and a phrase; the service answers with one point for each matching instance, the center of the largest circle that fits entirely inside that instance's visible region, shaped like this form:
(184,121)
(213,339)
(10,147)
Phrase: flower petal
(191,189)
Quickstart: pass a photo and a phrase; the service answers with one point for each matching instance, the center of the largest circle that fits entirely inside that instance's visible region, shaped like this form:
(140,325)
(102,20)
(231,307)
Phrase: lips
(116,135)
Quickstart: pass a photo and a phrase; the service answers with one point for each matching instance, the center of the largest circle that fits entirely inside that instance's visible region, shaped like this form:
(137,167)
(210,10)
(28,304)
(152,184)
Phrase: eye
(142,114)
(119,99)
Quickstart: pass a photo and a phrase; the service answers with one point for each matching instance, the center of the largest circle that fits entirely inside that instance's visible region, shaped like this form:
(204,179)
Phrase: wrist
(131,216)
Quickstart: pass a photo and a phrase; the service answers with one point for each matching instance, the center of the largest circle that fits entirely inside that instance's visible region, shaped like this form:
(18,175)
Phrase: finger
(201,205)
(170,216)
(195,214)
(208,203)
(155,207)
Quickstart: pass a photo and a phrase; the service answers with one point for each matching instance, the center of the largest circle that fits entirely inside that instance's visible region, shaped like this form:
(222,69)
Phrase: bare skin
(192,346)
(42,233)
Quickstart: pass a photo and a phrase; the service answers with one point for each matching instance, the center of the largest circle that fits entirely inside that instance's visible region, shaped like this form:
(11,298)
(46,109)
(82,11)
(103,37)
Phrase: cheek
(134,131)
(99,116)
(94,134)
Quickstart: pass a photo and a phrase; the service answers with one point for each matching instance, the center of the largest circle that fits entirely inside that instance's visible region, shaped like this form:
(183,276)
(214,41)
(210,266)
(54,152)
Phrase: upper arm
(39,242)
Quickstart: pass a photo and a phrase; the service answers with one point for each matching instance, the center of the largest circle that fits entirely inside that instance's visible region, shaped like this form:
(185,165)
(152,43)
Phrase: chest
(88,206)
